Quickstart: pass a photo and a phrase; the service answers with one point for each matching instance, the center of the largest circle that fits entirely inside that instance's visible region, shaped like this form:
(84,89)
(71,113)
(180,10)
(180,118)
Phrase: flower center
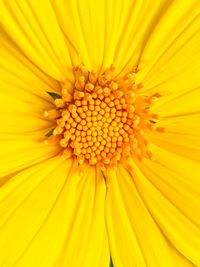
(101,120)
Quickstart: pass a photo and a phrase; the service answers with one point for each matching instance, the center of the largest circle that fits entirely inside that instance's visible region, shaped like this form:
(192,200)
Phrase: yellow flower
(99,133)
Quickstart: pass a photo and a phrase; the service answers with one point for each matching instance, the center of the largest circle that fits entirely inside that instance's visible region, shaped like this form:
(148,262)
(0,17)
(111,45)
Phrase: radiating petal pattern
(33,27)
(170,190)
(181,117)
(52,212)
(42,230)
(172,54)
(178,180)
(103,32)
(135,238)
(22,124)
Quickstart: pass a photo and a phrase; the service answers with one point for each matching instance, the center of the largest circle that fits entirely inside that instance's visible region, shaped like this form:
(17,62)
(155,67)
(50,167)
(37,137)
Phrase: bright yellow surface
(150,214)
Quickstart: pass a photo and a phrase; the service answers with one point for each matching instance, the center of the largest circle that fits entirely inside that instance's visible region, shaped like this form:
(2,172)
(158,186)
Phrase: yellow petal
(181,144)
(171,54)
(168,197)
(56,217)
(138,20)
(17,70)
(21,151)
(181,119)
(22,111)
(33,28)
(179,104)
(179,185)
(179,259)
(135,239)
(22,124)
(103,32)
(84,29)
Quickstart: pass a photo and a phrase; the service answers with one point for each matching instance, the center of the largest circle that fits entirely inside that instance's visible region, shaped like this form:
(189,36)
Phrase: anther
(78,95)
(59,102)
(93,77)
(102,121)
(72,108)
(89,87)
(52,114)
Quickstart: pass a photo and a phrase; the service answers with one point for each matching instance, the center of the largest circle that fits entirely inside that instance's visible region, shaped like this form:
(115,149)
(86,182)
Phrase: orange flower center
(101,120)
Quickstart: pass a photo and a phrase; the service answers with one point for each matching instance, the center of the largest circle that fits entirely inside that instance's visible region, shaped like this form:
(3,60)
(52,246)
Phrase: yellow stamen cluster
(101,120)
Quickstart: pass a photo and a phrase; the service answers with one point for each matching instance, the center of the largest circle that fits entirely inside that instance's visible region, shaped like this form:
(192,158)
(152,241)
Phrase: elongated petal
(55,216)
(16,69)
(182,104)
(22,124)
(84,29)
(33,27)
(135,239)
(171,193)
(172,54)
(180,185)
(180,116)
(103,32)
(179,259)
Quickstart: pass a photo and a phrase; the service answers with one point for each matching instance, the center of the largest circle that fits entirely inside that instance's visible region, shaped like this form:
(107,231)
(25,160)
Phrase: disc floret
(101,120)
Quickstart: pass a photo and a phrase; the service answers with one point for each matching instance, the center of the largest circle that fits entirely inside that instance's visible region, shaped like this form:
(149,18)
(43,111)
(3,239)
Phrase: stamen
(103,121)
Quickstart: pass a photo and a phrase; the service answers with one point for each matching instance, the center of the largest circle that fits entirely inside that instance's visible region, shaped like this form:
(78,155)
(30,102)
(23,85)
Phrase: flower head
(99,133)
